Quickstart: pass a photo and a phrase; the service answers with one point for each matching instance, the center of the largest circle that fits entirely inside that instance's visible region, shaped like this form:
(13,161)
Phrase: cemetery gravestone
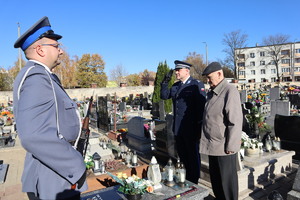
(243,96)
(274,93)
(103,119)
(122,106)
(171,145)
(295,100)
(287,128)
(162,112)
(280,107)
(155,111)
(136,134)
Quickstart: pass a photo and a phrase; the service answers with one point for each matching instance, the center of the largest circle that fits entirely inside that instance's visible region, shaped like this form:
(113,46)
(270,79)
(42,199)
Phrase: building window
(285,70)
(242,73)
(285,52)
(241,56)
(273,79)
(297,69)
(272,53)
(262,62)
(262,71)
(252,63)
(262,80)
(252,72)
(297,60)
(273,71)
(262,54)
(252,55)
(285,61)
(297,50)
(272,62)
(241,64)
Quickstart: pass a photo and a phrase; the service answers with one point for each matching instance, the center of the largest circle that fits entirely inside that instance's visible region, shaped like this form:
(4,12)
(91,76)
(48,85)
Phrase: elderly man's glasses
(57,45)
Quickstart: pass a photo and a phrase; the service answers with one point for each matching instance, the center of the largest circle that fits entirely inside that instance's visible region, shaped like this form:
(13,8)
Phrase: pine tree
(162,70)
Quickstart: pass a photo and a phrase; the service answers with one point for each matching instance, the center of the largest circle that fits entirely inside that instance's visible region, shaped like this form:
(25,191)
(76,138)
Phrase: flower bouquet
(252,143)
(132,185)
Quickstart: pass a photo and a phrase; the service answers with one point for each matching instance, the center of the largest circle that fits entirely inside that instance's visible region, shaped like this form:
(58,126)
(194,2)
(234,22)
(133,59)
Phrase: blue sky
(138,34)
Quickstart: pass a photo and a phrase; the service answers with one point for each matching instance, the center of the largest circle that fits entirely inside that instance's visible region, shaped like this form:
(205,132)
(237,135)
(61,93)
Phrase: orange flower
(150,189)
(4,113)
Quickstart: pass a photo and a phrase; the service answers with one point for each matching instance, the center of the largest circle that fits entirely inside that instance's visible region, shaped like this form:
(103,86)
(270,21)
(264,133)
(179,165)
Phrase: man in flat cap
(189,98)
(221,132)
(47,120)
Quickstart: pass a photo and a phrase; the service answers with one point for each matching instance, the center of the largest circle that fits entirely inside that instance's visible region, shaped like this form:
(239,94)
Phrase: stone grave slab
(106,154)
(190,192)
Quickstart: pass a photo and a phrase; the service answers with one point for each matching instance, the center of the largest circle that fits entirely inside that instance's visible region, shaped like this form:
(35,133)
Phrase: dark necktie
(180,85)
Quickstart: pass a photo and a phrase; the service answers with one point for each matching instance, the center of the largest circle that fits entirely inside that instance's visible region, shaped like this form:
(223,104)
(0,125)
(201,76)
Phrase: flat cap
(212,67)
(180,64)
(40,29)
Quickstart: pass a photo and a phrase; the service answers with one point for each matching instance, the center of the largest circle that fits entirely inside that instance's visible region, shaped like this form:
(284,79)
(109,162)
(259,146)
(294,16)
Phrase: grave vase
(251,152)
(134,196)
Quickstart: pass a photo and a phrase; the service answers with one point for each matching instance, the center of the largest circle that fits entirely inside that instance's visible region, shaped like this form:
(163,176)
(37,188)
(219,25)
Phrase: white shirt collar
(183,82)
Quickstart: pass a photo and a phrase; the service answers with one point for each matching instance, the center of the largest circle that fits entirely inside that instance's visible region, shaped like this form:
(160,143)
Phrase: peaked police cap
(40,29)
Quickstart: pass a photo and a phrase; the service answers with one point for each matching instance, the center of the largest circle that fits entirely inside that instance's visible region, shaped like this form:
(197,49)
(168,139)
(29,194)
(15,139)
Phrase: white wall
(82,93)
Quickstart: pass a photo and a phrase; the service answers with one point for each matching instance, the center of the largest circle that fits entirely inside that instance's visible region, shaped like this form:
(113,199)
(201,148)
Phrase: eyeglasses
(57,45)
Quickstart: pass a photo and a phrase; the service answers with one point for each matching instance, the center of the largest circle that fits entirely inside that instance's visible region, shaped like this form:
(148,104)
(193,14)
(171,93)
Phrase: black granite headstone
(287,128)
(122,106)
(103,119)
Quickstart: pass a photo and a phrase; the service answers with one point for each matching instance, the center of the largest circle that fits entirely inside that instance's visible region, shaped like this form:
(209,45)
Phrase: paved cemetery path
(11,189)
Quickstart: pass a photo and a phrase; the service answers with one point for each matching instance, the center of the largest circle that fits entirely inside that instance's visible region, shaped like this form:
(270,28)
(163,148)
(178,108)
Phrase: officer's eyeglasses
(57,45)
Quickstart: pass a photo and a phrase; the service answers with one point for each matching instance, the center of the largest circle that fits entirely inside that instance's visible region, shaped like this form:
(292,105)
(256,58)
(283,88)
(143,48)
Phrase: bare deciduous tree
(234,41)
(198,65)
(118,74)
(274,44)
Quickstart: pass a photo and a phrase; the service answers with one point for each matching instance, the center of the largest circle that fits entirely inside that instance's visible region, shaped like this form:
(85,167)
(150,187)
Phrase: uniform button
(70,176)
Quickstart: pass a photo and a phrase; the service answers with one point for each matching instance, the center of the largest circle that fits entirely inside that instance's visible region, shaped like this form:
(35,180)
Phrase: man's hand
(168,76)
(229,152)
(80,182)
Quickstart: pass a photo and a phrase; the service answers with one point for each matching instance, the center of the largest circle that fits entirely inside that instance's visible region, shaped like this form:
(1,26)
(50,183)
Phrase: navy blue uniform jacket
(188,106)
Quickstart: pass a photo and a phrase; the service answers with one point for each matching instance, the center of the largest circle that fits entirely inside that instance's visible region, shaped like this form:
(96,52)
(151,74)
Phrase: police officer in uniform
(189,97)
(47,120)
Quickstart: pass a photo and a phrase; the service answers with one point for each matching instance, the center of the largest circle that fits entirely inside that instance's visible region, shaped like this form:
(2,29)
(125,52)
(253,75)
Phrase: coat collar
(219,88)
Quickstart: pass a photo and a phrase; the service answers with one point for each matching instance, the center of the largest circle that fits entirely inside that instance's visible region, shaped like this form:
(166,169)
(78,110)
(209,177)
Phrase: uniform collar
(47,68)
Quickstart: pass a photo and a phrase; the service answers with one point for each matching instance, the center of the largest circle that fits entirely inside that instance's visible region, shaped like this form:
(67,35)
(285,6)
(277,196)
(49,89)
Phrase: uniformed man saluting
(189,99)
(47,120)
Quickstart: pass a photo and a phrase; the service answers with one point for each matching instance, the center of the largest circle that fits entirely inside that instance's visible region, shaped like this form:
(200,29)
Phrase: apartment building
(258,64)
